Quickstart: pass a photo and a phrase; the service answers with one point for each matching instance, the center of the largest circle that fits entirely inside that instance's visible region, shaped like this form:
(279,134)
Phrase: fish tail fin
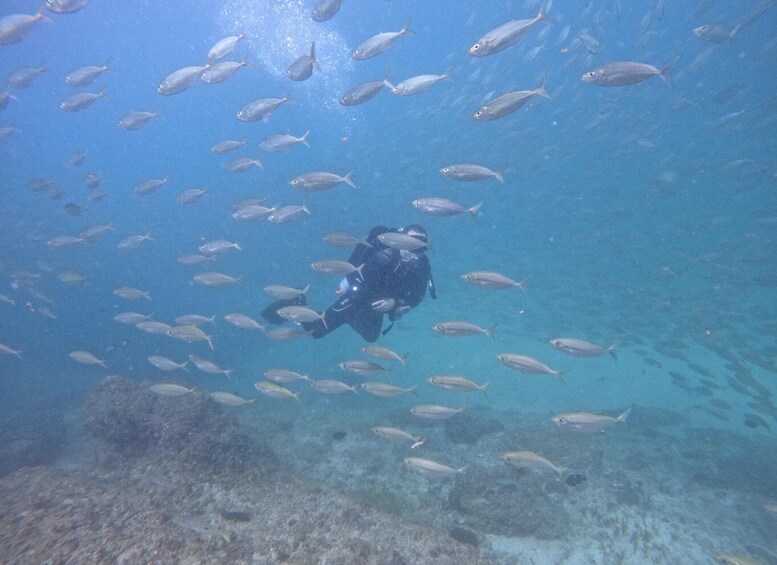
(313,56)
(540,89)
(183,366)
(484,388)
(522,284)
(259,163)
(322,317)
(305,206)
(148,236)
(490,332)
(406,28)
(210,342)
(475,210)
(403,360)
(237,246)
(347,179)
(146,295)
(305,290)
(560,376)
(664,72)
(247,60)
(413,389)
(611,349)
(359,270)
(542,15)
(304,139)
(102,364)
(561,471)
(499,177)
(353,389)
(449,72)
(212,319)
(103,94)
(307,377)
(296,397)
(228,373)
(624,416)
(733,33)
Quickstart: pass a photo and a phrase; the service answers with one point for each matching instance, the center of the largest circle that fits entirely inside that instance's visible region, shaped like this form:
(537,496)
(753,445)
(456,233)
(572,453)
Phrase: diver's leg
(336,315)
(367,323)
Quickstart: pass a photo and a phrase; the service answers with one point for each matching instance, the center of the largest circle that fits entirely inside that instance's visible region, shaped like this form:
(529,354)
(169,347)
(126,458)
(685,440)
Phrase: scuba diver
(390,282)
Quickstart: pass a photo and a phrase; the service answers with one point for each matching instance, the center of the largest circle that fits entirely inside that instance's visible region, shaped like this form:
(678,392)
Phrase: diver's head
(416,231)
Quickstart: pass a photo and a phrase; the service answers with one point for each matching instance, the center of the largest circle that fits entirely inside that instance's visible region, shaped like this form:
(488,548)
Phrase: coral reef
(192,429)
(133,516)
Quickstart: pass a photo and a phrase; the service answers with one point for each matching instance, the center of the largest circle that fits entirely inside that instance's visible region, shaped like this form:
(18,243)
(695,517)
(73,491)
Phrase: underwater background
(641,216)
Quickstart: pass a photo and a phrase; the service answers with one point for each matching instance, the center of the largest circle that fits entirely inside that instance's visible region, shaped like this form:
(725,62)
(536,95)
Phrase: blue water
(644,214)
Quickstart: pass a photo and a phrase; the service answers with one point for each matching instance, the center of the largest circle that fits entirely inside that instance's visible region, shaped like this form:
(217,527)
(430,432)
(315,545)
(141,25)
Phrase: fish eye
(445,170)
(476,47)
(478,113)
(591,74)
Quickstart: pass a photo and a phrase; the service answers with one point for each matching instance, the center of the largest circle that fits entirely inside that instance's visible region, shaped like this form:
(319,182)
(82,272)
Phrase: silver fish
(134,241)
(283,376)
(189,334)
(444,208)
(526,364)
(377,44)
(71,277)
(587,422)
(716,33)
(60,241)
(15,27)
(136,119)
(384,390)
(84,76)
(87,358)
(434,412)
(258,109)
(335,267)
(282,142)
(320,181)
(506,104)
(190,196)
(325,10)
(364,92)
(429,468)
(216,280)
(506,34)
(209,367)
(224,47)
(302,68)
(469,173)
(195,320)
(329,386)
(380,352)
(65,6)
(417,84)
(300,314)
(581,348)
(227,146)
(274,390)
(280,292)
(288,213)
(253,213)
(179,80)
(130,318)
(591,44)
(219,72)
(340,239)
(243,164)
(92,180)
(459,329)
(150,186)
(218,247)
(164,364)
(363,368)
(129,293)
(169,389)
(627,73)
(243,322)
(395,434)
(401,241)
(153,327)
(492,280)
(530,460)
(80,101)
(229,399)
(457,384)
(6,350)
(24,76)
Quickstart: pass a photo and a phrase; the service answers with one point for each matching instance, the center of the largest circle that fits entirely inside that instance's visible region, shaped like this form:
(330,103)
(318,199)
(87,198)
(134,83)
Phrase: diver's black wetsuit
(385,275)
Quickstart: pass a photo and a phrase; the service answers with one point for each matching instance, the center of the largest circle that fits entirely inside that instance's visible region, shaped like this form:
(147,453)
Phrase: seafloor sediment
(151,479)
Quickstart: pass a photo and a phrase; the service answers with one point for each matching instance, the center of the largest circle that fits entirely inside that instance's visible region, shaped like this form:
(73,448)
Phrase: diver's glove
(384,305)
